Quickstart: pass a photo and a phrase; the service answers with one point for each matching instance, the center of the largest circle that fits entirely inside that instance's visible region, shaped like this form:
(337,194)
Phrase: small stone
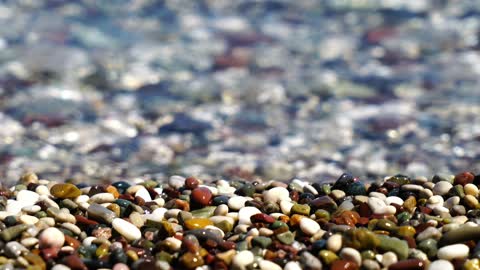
(103,197)
(464,233)
(309,226)
(191,182)
(176,181)
(100,213)
(429,233)
(377,205)
(292,266)
(400,247)
(13,232)
(344,265)
(471,189)
(65,191)
(126,229)
(197,223)
(334,243)
(389,258)
(27,219)
(309,261)
(202,196)
(261,241)
(441,264)
(456,251)
(268,265)
(429,246)
(237,202)
(412,264)
(360,239)
(28,197)
(14,249)
(242,259)
(463,178)
(351,254)
(324,202)
(246,213)
(287,237)
(276,195)
(327,256)
(144,194)
(370,265)
(300,209)
(51,238)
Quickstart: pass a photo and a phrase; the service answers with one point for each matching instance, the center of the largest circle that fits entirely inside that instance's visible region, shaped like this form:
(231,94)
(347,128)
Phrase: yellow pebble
(115,208)
(473,264)
(132,255)
(406,231)
(197,223)
(113,190)
(295,220)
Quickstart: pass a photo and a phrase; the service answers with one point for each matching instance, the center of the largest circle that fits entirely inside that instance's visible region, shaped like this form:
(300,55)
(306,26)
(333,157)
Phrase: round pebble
(51,238)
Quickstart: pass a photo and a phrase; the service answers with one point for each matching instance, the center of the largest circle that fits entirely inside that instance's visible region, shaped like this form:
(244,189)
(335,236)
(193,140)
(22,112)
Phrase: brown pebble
(412,264)
(191,182)
(72,242)
(74,262)
(463,178)
(202,196)
(343,265)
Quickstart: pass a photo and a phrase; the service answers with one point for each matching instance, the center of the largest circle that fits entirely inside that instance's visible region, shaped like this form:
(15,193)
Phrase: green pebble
(360,239)
(323,214)
(356,188)
(301,209)
(242,245)
(327,256)
(399,179)
(164,256)
(326,189)
(20,187)
(261,241)
(225,226)
(247,190)
(278,224)
(368,255)
(150,184)
(10,221)
(257,251)
(399,247)
(122,202)
(270,207)
(286,237)
(205,212)
(387,225)
(403,217)
(13,232)
(69,204)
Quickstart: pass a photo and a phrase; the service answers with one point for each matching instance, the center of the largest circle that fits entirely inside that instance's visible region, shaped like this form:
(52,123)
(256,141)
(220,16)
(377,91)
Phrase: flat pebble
(441,265)
(245,213)
(127,229)
(309,226)
(456,251)
(276,195)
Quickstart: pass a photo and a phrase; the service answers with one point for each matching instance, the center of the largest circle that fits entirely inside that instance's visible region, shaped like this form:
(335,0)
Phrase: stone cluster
(400,223)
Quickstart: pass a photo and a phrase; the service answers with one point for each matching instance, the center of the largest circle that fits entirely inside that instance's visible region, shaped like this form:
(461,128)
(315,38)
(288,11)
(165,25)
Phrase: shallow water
(238,89)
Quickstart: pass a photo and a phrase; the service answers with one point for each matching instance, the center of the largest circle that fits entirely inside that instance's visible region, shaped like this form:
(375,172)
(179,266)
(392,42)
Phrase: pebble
(242,259)
(28,197)
(351,254)
(126,229)
(310,261)
(65,191)
(100,213)
(441,265)
(202,196)
(334,243)
(309,226)
(456,251)
(51,238)
(268,265)
(276,194)
(246,213)
(237,202)
(14,249)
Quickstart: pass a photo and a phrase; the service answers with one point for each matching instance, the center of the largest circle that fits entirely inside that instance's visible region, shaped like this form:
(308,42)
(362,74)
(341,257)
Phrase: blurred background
(105,90)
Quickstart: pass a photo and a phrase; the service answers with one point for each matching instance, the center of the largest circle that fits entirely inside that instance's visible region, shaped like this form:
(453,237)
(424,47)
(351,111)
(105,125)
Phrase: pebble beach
(244,135)
(400,223)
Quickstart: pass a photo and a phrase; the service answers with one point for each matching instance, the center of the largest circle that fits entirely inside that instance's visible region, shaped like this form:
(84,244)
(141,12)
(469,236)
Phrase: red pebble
(412,264)
(202,196)
(191,182)
(74,262)
(343,265)
(463,178)
(262,217)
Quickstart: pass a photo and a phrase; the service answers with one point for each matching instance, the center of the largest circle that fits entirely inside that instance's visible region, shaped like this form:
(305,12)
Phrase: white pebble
(434,201)
(351,254)
(377,195)
(309,226)
(429,232)
(292,266)
(388,259)
(237,202)
(394,199)
(27,219)
(441,188)
(245,213)
(175,244)
(457,251)
(441,265)
(28,197)
(451,202)
(286,207)
(176,181)
(242,259)
(51,237)
(42,190)
(103,197)
(334,243)
(377,205)
(157,214)
(143,193)
(268,265)
(32,209)
(127,229)
(60,267)
(276,194)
